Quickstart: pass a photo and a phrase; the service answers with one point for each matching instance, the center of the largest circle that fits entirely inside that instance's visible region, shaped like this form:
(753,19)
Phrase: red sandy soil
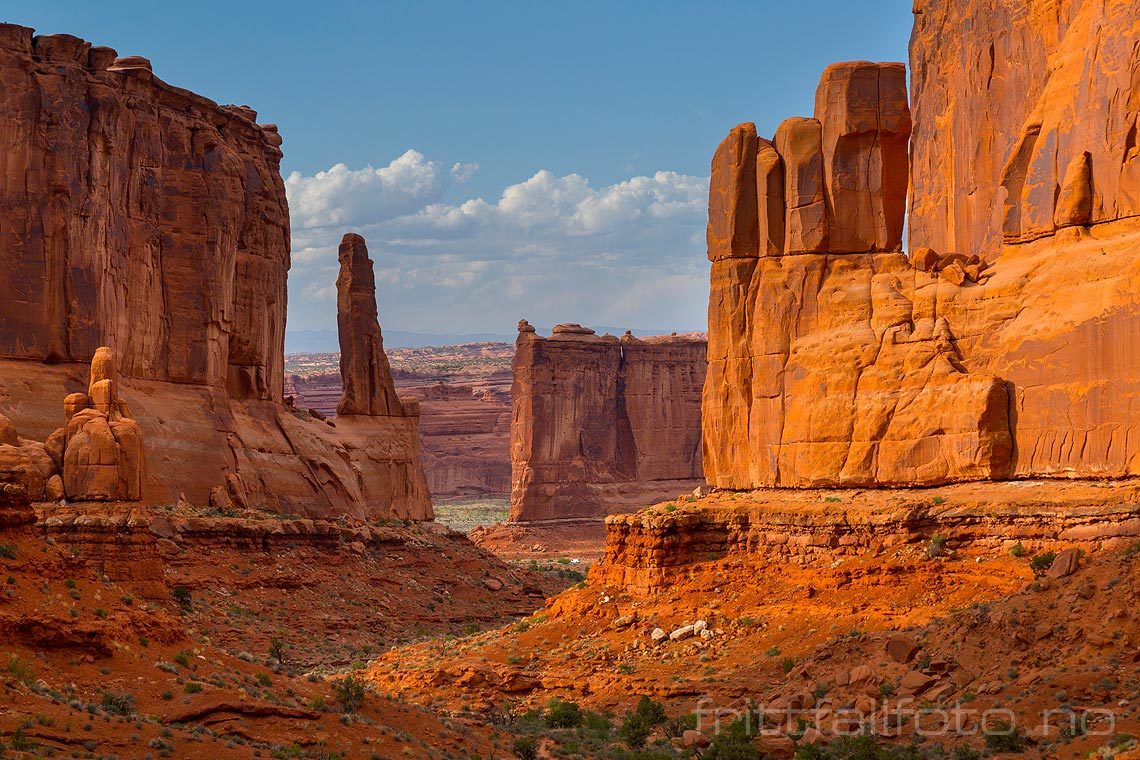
(98,655)
(583,540)
(791,621)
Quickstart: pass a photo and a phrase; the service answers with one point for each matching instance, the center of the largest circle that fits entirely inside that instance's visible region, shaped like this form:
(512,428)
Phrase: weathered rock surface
(1006,104)
(137,215)
(140,216)
(602,424)
(974,359)
(15,508)
(366,377)
(103,456)
(829,366)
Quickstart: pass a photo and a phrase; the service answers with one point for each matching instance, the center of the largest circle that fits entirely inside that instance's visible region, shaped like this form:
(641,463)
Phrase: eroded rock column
(366,376)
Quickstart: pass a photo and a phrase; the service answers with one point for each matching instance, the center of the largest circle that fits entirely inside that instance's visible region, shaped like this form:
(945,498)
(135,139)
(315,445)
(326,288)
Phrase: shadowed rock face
(1004,345)
(602,425)
(137,215)
(366,377)
(145,218)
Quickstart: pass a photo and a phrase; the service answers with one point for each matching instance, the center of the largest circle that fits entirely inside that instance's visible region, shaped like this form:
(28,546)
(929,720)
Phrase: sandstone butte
(141,217)
(602,424)
(1004,345)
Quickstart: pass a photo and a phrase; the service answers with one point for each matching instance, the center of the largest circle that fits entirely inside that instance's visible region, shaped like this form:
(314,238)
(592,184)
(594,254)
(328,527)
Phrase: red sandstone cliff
(1002,346)
(824,366)
(1025,119)
(143,217)
(602,425)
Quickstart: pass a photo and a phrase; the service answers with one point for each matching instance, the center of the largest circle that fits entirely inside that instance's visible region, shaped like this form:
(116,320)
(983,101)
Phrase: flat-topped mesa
(366,376)
(823,370)
(602,424)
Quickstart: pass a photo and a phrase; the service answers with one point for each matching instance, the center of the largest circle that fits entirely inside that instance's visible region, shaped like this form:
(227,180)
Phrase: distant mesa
(601,424)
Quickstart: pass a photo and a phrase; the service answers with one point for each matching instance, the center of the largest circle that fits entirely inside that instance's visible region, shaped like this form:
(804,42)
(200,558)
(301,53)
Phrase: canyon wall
(142,217)
(1003,346)
(465,422)
(601,424)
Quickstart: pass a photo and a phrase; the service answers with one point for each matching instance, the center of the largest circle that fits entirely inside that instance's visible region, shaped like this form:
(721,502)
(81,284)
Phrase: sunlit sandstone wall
(1005,344)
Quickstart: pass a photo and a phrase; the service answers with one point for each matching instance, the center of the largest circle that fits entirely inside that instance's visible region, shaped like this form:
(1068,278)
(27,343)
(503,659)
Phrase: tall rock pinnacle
(366,377)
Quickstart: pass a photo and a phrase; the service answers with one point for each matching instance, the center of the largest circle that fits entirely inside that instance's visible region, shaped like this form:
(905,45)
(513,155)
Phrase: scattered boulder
(1065,564)
(682,633)
(695,739)
(916,682)
(924,259)
(776,743)
(955,273)
(901,649)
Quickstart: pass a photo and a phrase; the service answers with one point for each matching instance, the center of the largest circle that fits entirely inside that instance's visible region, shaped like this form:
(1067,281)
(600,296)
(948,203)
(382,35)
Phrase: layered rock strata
(143,217)
(602,424)
(648,551)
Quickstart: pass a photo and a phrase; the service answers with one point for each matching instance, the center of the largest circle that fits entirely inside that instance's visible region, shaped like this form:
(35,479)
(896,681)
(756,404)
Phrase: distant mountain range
(326,341)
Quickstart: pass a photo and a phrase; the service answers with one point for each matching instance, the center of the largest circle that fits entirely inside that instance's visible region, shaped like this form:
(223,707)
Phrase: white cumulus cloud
(464,171)
(550,249)
(343,196)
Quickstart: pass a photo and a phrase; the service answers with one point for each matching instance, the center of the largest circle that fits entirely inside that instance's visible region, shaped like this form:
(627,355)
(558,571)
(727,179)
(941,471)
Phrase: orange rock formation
(834,359)
(143,217)
(602,424)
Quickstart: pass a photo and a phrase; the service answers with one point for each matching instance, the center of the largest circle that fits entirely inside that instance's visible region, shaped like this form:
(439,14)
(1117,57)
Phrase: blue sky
(504,159)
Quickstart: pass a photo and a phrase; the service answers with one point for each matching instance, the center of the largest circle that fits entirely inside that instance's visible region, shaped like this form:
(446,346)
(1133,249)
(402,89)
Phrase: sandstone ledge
(644,551)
